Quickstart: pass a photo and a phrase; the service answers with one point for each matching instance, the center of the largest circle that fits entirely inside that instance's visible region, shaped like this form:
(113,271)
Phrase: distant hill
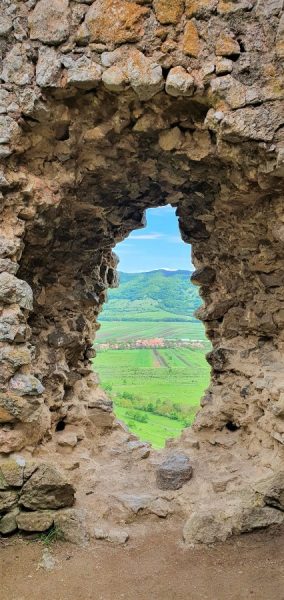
(152,296)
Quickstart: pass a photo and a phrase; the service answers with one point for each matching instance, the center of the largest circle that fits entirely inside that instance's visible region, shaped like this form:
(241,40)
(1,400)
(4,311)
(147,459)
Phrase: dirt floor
(151,567)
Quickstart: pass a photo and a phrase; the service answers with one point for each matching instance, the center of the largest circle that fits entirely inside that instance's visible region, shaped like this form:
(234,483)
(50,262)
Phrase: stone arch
(88,144)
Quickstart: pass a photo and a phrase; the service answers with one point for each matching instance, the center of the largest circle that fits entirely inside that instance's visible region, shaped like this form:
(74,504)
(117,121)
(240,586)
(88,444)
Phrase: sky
(157,246)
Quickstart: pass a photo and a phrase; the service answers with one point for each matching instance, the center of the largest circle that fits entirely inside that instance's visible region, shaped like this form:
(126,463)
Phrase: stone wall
(109,108)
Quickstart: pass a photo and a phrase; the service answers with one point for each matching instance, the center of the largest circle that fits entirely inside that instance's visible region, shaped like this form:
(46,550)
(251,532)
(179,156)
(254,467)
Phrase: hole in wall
(150,347)
(231,426)
(60,426)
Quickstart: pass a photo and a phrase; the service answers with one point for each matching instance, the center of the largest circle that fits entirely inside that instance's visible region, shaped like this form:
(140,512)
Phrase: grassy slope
(154,296)
(137,372)
(156,430)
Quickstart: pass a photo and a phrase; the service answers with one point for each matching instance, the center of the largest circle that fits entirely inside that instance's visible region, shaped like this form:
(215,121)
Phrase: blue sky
(157,246)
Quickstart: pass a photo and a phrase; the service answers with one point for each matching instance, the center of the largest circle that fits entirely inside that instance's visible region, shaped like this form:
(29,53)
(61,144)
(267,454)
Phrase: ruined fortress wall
(108,108)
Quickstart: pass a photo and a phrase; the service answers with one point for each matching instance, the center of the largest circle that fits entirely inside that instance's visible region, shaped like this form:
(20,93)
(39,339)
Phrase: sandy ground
(151,567)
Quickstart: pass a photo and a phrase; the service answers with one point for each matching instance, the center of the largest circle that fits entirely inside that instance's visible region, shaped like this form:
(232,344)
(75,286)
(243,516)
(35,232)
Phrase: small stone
(174,472)
(223,66)
(199,7)
(168,12)
(35,520)
(71,524)
(13,473)
(13,408)
(48,562)
(47,488)
(26,385)
(145,77)
(8,246)
(9,130)
(68,439)
(170,139)
(8,266)
(16,67)
(227,46)
(48,68)
(49,21)
(6,23)
(191,41)
(179,82)
(14,290)
(8,523)
(114,535)
(135,502)
(139,449)
(160,507)
(84,73)
(114,79)
(8,499)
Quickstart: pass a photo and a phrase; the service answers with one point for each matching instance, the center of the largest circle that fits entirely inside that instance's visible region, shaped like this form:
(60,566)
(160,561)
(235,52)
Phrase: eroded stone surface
(109,108)
(45,489)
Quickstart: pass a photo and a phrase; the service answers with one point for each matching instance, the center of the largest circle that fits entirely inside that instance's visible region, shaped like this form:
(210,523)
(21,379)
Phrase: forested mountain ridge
(160,295)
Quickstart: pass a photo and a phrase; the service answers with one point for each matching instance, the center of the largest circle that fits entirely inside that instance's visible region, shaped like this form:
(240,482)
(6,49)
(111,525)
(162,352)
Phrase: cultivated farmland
(156,392)
(151,353)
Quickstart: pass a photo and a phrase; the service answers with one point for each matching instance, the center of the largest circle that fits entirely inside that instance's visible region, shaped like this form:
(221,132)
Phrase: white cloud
(146,236)
(172,239)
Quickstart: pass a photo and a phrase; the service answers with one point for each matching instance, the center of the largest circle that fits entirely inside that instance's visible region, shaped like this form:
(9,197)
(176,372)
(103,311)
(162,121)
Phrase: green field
(145,382)
(124,331)
(156,391)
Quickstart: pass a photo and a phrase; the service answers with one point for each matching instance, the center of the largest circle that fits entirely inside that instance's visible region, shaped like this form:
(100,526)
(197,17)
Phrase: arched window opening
(150,347)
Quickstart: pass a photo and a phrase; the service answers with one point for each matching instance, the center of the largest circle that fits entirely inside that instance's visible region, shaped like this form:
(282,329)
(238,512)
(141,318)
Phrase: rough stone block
(48,68)
(112,21)
(174,472)
(12,472)
(49,21)
(191,41)
(179,82)
(47,488)
(35,520)
(8,523)
(168,12)
(13,290)
(8,499)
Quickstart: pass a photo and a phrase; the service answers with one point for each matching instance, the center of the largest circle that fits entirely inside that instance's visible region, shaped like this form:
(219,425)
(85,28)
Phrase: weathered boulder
(34,520)
(47,488)
(174,471)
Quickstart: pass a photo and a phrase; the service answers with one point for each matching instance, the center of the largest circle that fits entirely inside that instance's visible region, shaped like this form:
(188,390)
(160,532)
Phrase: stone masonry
(108,108)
